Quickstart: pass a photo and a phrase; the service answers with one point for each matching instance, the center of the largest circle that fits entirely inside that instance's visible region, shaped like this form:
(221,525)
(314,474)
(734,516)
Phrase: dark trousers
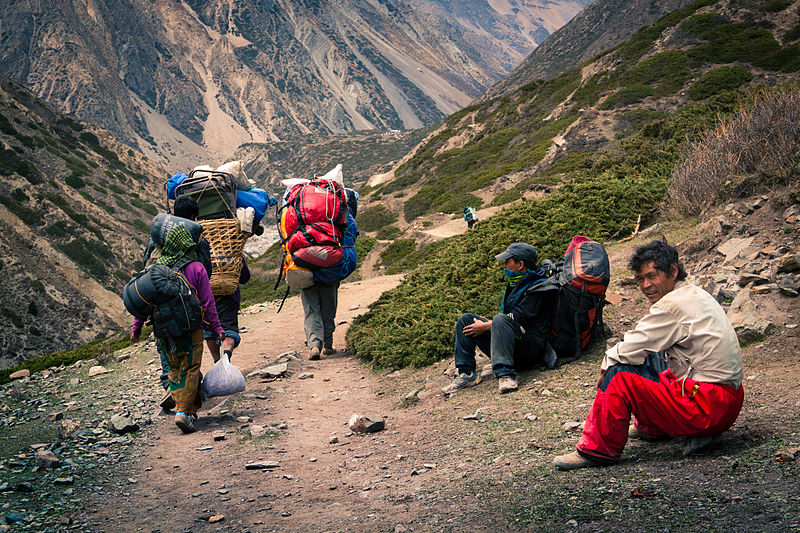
(509,348)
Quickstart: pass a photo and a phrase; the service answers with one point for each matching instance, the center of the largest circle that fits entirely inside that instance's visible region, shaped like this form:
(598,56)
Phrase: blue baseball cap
(520,251)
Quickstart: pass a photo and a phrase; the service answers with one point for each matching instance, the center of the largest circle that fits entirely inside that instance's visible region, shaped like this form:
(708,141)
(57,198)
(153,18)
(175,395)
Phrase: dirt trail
(182,480)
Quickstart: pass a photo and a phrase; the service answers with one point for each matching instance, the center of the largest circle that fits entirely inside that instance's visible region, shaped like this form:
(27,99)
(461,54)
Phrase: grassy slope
(602,195)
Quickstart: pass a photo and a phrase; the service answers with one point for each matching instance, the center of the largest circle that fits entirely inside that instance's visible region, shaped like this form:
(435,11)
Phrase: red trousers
(663,406)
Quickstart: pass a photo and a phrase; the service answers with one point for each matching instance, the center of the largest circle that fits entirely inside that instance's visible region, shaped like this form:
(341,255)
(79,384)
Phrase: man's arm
(657,331)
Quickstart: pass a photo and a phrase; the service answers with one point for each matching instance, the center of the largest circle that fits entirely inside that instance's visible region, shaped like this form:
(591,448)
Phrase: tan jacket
(692,328)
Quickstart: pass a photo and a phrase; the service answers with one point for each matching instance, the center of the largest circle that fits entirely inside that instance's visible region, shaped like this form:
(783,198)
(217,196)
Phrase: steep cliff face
(75,205)
(190,81)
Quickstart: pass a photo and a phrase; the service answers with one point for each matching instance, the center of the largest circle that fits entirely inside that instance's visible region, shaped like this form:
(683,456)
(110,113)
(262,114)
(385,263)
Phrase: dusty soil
(475,462)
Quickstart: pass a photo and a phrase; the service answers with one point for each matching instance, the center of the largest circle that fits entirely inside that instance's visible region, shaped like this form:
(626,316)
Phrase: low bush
(92,350)
(375,217)
(387,233)
(396,251)
(631,94)
(84,258)
(719,80)
(754,149)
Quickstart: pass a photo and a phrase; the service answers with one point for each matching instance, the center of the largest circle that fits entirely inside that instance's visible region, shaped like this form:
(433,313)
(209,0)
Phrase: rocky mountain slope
(75,206)
(189,82)
(533,137)
(602,25)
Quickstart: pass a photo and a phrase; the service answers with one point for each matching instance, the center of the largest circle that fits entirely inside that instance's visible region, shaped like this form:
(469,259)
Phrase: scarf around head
(178,245)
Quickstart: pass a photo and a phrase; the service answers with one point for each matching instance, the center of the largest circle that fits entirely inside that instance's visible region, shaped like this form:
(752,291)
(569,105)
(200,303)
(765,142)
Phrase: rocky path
(307,470)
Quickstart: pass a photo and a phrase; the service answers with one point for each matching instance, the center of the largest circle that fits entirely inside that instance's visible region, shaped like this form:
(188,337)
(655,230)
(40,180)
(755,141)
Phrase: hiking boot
(507,384)
(572,461)
(167,403)
(313,354)
(185,422)
(328,350)
(462,381)
(701,445)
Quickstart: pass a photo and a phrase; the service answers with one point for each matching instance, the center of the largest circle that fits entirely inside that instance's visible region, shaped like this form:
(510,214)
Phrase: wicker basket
(227,242)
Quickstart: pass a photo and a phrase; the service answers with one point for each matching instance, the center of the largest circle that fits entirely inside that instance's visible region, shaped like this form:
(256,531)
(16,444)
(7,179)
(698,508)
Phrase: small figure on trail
(515,338)
(319,307)
(184,353)
(678,372)
(471,216)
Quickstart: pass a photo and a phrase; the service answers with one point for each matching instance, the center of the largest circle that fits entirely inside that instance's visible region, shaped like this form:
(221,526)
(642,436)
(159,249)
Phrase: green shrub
(73,180)
(396,251)
(16,320)
(83,257)
(728,42)
(26,214)
(387,233)
(375,217)
(364,246)
(144,206)
(774,6)
(631,94)
(669,70)
(719,80)
(33,309)
(91,350)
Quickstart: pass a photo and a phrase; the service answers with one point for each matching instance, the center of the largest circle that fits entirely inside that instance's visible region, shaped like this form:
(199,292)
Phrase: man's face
(513,264)
(655,283)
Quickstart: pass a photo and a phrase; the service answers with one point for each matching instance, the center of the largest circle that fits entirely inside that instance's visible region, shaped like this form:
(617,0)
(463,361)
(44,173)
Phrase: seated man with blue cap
(515,338)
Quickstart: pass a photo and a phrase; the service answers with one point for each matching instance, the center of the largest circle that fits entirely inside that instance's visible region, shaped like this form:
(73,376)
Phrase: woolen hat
(520,251)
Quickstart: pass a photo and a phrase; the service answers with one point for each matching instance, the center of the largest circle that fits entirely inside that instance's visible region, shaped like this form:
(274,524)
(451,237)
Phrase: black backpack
(164,295)
(581,278)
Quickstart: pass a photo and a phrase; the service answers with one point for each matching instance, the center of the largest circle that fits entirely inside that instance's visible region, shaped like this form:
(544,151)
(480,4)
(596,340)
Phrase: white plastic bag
(223,379)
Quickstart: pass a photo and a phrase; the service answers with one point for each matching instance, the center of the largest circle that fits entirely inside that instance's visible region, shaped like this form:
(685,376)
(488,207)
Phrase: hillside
(361,154)
(594,148)
(602,25)
(539,135)
(75,205)
(188,82)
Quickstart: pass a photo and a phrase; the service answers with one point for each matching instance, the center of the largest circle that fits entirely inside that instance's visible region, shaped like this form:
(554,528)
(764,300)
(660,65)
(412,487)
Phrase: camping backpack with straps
(214,191)
(165,295)
(581,277)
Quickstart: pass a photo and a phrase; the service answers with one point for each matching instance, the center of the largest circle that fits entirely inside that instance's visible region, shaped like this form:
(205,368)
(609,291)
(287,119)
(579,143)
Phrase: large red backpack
(583,275)
(580,280)
(315,214)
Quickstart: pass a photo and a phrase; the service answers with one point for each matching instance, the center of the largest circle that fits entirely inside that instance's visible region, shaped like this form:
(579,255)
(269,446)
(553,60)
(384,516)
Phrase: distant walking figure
(471,216)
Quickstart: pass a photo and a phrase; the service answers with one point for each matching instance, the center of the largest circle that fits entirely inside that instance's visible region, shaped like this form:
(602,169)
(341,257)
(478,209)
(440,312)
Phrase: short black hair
(186,207)
(661,254)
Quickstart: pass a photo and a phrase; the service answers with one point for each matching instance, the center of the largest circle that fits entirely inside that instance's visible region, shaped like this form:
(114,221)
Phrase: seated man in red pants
(679,372)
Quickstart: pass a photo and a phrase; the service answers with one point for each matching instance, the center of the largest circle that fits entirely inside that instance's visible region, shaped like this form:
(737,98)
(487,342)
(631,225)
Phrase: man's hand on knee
(478,327)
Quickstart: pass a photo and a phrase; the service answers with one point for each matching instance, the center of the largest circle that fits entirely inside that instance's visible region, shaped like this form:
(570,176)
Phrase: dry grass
(757,148)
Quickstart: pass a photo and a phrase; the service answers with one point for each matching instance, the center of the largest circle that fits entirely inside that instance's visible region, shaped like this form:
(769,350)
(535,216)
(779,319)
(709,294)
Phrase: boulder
(366,424)
(743,315)
(788,263)
(122,424)
(47,459)
(68,428)
(19,374)
(733,248)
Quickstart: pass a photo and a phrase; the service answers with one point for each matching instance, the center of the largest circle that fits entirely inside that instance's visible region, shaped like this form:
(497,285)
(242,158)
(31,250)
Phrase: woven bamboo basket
(227,242)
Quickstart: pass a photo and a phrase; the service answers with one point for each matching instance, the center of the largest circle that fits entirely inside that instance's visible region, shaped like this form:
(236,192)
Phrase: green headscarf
(178,245)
